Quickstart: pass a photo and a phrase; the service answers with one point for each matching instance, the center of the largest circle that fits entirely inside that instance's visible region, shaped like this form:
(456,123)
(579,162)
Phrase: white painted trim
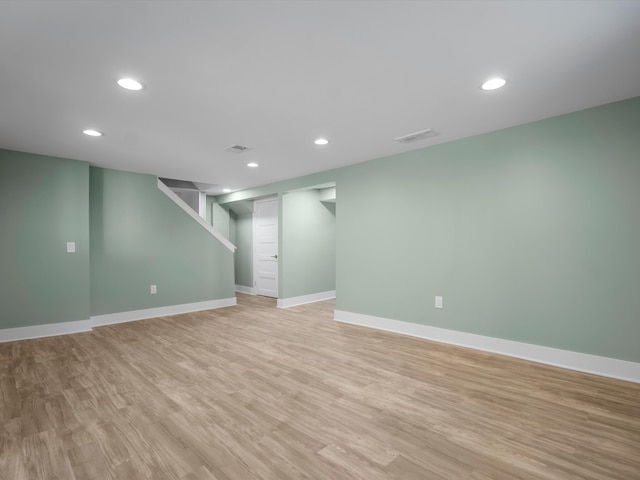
(582,362)
(192,213)
(247,290)
(65,328)
(254,239)
(303,299)
(202,206)
(121,317)
(254,256)
(48,330)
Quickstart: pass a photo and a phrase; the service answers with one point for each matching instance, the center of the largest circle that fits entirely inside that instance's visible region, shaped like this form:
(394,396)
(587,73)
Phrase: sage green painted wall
(232,227)
(218,217)
(140,237)
(210,201)
(530,233)
(308,245)
(44,203)
(244,252)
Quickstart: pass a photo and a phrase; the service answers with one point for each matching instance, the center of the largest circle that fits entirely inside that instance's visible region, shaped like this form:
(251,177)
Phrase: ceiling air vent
(414,137)
(236,149)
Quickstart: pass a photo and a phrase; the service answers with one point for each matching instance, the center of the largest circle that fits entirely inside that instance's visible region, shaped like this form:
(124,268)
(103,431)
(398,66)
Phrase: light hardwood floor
(254,392)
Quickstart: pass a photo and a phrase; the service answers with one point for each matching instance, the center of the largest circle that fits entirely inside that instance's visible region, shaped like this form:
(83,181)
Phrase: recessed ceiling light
(92,133)
(252,164)
(130,84)
(493,83)
(226,190)
(321,141)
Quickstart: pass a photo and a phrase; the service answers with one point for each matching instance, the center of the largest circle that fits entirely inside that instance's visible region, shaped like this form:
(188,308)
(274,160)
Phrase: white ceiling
(274,75)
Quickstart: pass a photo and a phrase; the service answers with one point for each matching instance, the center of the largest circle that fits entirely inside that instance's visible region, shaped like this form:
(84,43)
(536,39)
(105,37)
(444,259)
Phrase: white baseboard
(582,362)
(65,328)
(314,297)
(121,317)
(48,330)
(247,290)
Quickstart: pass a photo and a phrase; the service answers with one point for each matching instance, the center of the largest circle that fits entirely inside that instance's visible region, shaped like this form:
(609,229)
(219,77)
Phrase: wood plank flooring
(254,392)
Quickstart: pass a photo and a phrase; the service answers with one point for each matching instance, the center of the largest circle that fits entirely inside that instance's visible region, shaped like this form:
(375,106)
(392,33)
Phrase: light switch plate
(153,289)
(71,247)
(439,303)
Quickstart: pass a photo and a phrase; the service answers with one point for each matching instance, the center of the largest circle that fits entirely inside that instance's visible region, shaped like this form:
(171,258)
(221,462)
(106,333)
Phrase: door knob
(275,256)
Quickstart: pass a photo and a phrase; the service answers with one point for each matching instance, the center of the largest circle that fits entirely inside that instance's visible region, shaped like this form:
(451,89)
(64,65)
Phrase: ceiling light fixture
(92,133)
(321,141)
(130,84)
(252,164)
(226,190)
(493,83)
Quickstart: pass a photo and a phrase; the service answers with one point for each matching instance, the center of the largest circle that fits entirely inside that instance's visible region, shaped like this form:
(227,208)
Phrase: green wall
(244,252)
(232,227)
(140,237)
(209,212)
(218,217)
(530,233)
(308,244)
(44,203)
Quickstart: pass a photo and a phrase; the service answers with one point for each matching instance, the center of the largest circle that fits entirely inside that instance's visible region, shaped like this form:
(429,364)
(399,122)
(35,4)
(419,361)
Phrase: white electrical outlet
(439,303)
(153,289)
(71,247)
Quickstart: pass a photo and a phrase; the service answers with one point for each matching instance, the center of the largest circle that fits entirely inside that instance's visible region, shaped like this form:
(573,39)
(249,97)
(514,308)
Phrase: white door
(265,247)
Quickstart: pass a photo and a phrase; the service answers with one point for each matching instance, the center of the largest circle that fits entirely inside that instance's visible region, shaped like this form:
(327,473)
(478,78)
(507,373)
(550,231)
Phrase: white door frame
(255,243)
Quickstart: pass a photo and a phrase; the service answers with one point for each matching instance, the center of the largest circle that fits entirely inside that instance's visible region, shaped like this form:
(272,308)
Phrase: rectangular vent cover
(236,149)
(414,137)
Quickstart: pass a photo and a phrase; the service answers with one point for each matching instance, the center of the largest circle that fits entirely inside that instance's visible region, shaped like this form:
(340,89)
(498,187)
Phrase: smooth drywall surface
(44,203)
(244,251)
(221,220)
(241,197)
(308,245)
(529,233)
(190,197)
(139,237)
(328,194)
(209,210)
(232,227)
(218,217)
